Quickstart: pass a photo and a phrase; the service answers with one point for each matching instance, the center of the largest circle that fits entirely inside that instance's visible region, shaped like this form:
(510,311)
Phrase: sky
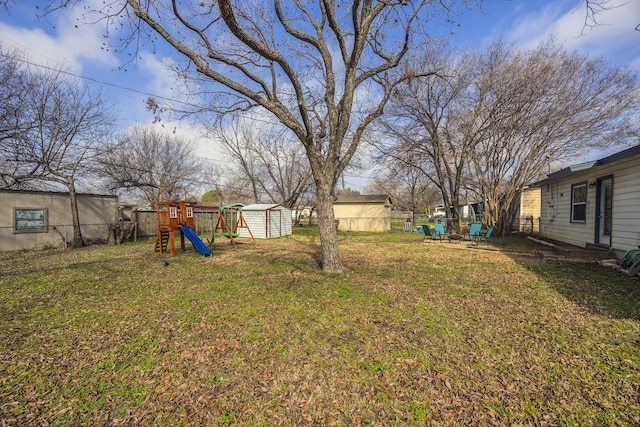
(56,41)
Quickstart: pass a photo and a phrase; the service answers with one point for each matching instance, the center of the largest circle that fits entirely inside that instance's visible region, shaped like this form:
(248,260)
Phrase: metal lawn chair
(474,230)
(428,235)
(484,237)
(439,228)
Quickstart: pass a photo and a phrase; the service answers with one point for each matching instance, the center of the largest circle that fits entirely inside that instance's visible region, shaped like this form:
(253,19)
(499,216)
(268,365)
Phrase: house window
(30,220)
(579,202)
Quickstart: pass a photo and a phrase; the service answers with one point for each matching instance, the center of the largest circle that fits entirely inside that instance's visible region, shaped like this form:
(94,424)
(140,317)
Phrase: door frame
(598,213)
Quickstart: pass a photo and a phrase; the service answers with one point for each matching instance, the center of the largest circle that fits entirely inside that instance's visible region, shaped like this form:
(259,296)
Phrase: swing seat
(230,235)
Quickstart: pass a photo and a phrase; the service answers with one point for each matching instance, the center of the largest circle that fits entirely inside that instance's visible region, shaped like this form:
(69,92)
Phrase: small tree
(210,196)
(151,161)
(274,167)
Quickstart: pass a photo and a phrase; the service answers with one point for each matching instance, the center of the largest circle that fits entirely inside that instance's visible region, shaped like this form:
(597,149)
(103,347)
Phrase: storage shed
(266,221)
(363,213)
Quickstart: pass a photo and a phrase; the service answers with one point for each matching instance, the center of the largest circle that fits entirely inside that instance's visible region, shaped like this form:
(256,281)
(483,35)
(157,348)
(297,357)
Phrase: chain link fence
(53,236)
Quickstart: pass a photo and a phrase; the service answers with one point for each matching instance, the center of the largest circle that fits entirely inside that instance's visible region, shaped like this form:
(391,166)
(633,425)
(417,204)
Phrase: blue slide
(198,245)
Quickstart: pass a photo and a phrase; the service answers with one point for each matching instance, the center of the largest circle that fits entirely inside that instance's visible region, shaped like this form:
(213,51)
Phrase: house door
(604,211)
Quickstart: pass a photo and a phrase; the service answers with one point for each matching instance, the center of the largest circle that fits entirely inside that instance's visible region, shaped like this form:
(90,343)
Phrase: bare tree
(284,170)
(274,167)
(491,121)
(59,123)
(151,161)
(594,8)
(13,83)
(539,103)
(407,186)
(323,69)
(425,126)
(238,141)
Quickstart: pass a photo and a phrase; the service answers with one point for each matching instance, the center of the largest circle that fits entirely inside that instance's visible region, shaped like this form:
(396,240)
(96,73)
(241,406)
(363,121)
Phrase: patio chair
(439,229)
(474,230)
(484,237)
(428,235)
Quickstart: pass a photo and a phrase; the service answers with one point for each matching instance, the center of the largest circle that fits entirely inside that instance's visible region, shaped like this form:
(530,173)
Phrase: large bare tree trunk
(331,262)
(75,218)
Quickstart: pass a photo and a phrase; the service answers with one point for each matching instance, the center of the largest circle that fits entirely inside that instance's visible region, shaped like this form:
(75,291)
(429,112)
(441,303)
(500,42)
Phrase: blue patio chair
(439,229)
(428,235)
(484,237)
(474,230)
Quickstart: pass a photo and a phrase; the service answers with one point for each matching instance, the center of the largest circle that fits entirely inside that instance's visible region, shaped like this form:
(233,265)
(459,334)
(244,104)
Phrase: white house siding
(266,221)
(556,206)
(96,213)
(626,206)
(556,211)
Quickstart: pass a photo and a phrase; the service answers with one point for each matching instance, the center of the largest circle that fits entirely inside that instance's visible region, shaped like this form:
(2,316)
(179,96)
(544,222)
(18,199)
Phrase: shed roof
(262,207)
(367,198)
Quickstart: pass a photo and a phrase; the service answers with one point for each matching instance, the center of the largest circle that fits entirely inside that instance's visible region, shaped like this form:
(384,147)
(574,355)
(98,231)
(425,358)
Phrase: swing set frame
(237,222)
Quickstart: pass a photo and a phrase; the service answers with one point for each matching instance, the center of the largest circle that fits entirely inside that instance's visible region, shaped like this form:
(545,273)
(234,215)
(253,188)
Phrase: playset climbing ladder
(162,240)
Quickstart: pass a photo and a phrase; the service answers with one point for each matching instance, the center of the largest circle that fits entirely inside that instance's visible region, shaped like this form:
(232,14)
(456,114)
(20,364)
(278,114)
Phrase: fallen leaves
(411,334)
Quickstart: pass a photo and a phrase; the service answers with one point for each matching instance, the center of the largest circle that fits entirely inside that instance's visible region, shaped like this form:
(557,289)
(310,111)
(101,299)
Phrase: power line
(101,82)
(126,88)
(149,94)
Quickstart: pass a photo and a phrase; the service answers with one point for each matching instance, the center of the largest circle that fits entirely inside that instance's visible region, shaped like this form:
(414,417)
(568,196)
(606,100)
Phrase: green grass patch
(416,334)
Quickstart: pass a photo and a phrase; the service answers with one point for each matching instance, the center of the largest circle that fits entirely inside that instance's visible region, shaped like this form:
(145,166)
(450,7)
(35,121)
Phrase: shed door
(274,226)
(604,211)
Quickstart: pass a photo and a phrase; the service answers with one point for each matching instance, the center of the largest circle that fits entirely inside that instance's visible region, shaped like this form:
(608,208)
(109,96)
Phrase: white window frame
(25,220)
(580,203)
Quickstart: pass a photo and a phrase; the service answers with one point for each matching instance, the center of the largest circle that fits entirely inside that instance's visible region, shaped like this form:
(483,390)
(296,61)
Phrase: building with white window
(595,203)
(41,219)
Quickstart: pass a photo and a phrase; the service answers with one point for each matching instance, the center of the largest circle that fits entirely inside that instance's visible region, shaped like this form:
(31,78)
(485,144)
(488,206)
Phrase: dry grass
(415,334)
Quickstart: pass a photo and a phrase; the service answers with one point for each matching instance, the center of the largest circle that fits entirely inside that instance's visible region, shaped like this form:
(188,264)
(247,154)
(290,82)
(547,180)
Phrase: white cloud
(60,42)
(614,37)
(160,80)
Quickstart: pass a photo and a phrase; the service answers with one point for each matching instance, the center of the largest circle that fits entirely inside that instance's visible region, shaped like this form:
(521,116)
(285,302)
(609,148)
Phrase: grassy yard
(413,334)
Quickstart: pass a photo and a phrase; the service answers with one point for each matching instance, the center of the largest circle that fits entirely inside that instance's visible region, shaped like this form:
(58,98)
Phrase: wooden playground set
(174,217)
